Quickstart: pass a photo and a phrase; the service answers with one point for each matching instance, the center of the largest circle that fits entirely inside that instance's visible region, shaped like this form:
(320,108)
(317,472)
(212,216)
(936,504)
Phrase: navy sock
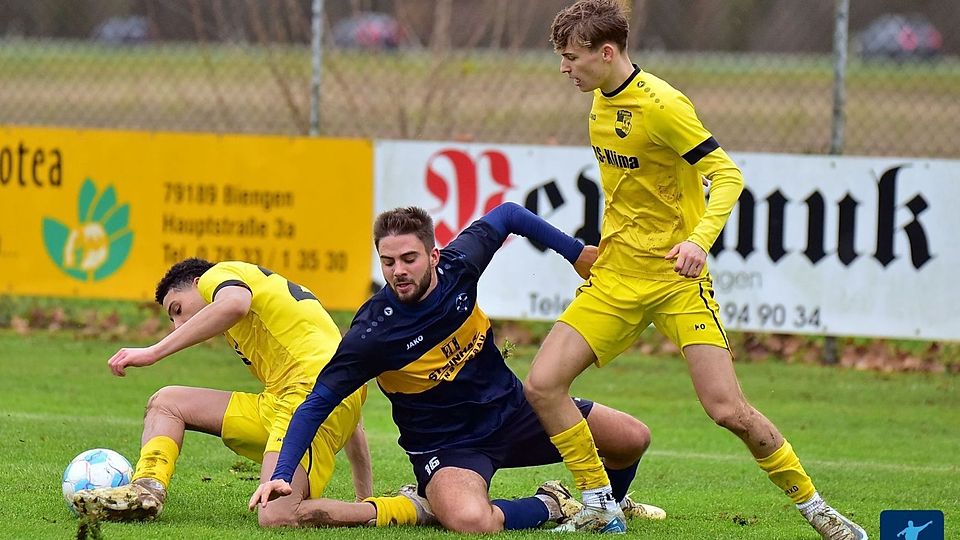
(524,513)
(620,480)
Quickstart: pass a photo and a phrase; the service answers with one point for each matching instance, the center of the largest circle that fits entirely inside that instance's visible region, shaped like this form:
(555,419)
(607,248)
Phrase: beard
(418,291)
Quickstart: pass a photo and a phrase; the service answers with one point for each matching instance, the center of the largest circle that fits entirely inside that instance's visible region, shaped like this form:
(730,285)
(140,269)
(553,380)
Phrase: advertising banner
(817,244)
(103,214)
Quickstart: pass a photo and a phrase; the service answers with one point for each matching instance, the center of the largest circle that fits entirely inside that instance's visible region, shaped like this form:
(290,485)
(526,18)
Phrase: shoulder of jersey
(650,87)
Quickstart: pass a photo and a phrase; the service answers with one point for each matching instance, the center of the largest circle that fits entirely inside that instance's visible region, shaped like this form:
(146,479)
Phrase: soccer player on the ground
(460,410)
(652,152)
(284,337)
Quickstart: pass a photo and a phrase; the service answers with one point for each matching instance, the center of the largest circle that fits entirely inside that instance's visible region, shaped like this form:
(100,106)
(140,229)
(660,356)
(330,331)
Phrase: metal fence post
(316,68)
(840,34)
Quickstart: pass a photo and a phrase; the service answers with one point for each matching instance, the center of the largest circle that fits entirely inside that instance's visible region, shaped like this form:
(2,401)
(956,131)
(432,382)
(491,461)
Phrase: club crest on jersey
(622,127)
(463,302)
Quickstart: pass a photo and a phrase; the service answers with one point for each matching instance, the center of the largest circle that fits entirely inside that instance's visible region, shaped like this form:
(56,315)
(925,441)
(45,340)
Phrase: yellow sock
(784,469)
(396,510)
(158,459)
(579,453)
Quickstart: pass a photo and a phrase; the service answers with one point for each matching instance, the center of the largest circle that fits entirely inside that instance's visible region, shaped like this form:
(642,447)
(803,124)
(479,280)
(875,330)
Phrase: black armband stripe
(229,283)
(702,149)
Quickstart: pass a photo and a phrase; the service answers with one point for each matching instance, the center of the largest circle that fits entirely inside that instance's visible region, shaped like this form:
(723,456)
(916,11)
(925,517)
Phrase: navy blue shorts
(522,442)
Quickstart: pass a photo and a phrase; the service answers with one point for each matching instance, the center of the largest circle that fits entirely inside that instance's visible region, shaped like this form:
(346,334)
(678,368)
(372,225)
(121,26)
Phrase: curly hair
(180,274)
(590,24)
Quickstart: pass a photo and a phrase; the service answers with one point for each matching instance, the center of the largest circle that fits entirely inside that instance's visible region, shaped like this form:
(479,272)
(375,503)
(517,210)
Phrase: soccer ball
(93,469)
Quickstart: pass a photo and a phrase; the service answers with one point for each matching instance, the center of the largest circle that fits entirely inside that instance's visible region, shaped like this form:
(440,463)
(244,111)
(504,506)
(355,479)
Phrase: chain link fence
(759,71)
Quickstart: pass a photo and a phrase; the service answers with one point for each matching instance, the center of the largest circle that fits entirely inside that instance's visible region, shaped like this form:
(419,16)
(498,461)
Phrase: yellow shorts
(256,423)
(610,311)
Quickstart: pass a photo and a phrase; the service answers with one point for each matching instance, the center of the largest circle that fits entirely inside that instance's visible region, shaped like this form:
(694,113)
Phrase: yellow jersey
(287,337)
(652,151)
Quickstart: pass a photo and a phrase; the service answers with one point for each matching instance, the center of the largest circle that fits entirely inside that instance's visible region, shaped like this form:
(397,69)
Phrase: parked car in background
(900,37)
(116,30)
(369,31)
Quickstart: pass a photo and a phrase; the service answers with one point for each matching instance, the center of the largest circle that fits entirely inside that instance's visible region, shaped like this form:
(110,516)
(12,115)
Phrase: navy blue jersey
(435,360)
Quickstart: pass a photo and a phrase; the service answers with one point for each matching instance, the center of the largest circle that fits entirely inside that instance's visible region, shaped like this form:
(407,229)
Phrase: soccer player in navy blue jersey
(460,410)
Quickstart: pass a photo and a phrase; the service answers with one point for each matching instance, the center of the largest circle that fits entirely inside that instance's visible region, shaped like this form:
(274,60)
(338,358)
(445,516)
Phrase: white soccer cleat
(569,506)
(132,502)
(832,525)
(593,519)
(425,514)
(632,509)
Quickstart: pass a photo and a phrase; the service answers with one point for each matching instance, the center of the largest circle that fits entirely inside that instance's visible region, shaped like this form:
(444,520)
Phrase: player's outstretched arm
(303,427)
(358,454)
(230,305)
(511,218)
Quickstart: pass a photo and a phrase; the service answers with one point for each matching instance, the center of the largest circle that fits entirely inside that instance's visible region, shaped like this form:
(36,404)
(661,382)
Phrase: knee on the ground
(471,520)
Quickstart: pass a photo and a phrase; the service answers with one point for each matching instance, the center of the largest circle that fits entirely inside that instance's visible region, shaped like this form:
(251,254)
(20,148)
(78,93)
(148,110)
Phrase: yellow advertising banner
(103,214)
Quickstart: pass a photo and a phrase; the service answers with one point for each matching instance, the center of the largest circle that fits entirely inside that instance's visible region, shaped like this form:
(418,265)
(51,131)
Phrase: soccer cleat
(632,509)
(132,502)
(425,514)
(832,525)
(593,519)
(569,506)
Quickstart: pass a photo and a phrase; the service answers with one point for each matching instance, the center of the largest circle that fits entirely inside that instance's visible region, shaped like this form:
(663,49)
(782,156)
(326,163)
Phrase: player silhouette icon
(910,532)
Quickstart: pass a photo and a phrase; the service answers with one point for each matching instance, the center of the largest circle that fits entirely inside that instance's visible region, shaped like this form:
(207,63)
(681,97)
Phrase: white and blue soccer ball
(94,469)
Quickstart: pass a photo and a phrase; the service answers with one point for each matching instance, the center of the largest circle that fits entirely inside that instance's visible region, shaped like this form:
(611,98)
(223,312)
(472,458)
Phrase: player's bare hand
(585,261)
(690,258)
(267,492)
(132,357)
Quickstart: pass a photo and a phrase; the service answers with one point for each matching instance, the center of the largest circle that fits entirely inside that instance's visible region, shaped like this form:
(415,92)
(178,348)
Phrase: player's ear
(607,51)
(434,256)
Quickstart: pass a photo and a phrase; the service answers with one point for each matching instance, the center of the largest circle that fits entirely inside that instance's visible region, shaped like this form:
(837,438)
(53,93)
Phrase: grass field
(871,442)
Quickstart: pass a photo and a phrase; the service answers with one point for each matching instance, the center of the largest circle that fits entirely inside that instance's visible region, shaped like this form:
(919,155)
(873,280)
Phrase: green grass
(871,442)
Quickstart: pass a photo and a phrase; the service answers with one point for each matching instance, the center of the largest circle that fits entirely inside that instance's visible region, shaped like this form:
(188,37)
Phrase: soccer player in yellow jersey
(652,152)
(283,335)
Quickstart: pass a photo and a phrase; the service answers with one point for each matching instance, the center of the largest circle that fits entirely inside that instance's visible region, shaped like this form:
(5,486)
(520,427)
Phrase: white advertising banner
(817,244)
